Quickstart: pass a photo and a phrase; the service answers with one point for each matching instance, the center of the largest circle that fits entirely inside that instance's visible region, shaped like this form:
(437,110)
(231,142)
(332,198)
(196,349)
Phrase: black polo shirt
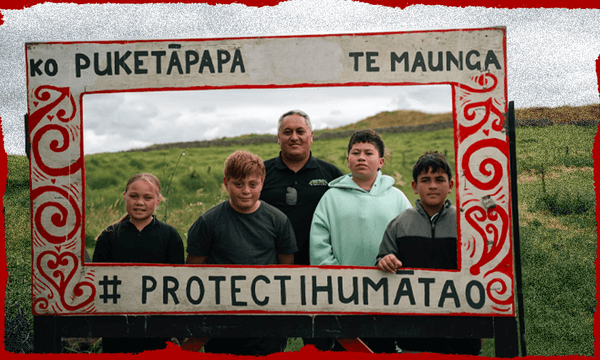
(157,243)
(309,183)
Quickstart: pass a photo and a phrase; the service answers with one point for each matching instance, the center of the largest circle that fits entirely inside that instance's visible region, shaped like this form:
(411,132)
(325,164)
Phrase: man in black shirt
(296,180)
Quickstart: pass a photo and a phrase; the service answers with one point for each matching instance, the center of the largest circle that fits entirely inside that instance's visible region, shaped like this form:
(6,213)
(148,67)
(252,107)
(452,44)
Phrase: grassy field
(192,183)
(556,213)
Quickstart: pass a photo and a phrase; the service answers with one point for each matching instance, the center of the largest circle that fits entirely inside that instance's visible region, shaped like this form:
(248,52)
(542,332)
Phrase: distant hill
(395,118)
(561,114)
(399,118)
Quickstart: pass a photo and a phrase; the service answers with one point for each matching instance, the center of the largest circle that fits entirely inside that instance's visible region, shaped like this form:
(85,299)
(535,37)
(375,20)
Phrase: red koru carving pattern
(497,166)
(56,287)
(484,163)
(59,218)
(469,108)
(62,268)
(476,216)
(45,93)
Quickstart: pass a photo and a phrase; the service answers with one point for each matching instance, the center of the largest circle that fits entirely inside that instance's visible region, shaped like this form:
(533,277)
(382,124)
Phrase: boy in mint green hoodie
(350,219)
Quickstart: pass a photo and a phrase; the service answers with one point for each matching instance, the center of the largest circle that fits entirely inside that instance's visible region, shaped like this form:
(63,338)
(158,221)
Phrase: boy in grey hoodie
(425,237)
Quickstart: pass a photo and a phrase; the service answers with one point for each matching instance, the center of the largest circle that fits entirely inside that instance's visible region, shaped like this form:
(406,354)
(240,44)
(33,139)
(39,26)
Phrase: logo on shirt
(318,182)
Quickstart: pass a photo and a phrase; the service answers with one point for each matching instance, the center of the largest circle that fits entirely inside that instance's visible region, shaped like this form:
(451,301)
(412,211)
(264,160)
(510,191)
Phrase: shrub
(567,195)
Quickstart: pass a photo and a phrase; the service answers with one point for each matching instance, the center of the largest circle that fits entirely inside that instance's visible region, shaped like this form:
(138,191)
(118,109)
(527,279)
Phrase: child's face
(141,199)
(244,193)
(432,188)
(364,161)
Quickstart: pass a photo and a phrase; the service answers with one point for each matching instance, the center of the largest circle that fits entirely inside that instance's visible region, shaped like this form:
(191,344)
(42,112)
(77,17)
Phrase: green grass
(558,238)
(18,320)
(192,183)
(556,216)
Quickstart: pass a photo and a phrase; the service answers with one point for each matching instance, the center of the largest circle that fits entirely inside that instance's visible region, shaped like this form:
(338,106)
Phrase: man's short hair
(367,136)
(433,160)
(242,164)
(294,112)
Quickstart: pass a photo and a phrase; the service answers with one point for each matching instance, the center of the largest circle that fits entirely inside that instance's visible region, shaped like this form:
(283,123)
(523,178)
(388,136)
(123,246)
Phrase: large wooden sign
(472,62)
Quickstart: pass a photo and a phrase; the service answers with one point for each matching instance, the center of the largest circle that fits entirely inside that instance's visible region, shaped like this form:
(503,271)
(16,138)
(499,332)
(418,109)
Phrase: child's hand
(389,263)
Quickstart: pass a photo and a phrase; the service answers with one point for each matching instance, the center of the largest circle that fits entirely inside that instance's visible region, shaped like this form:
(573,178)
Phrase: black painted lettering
(395,59)
(371,60)
(426,282)
(419,62)
(356,55)
(440,62)
(354,296)
(217,280)
(108,69)
(206,62)
(158,55)
(138,62)
(367,282)
(282,279)
(265,301)
(34,67)
(120,63)
(479,286)
(188,290)
(170,290)
(191,58)
(326,288)
(145,288)
(450,59)
(303,290)
(449,291)
(471,66)
(174,62)
(235,290)
(405,288)
(223,57)
(82,62)
(491,58)
(51,67)
(237,61)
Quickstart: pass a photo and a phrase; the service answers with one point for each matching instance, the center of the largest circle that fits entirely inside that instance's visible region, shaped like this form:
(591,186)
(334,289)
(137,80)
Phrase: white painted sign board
(471,61)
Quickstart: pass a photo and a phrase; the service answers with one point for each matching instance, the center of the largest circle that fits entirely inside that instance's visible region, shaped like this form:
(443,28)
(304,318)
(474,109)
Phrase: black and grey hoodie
(419,241)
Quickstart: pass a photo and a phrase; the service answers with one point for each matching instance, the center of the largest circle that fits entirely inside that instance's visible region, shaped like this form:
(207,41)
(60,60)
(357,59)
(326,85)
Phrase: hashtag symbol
(106,283)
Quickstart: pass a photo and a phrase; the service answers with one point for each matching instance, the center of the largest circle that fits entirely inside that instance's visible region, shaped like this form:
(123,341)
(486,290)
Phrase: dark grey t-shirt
(226,236)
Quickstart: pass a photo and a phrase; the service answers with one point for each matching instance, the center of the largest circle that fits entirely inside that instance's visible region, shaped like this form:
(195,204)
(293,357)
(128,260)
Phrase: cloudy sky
(551,62)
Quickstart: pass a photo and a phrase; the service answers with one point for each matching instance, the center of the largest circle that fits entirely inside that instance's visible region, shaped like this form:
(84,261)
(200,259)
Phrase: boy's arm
(198,242)
(321,251)
(286,242)
(387,258)
(193,259)
(285,259)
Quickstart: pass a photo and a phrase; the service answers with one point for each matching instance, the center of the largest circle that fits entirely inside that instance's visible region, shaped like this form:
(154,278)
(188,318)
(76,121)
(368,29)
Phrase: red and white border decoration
(471,61)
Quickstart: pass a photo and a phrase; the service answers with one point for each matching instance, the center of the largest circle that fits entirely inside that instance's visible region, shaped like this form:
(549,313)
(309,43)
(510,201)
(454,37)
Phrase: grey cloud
(551,56)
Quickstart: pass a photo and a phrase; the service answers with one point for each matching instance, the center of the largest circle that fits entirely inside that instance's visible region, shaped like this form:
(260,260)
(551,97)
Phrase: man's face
(294,137)
(364,161)
(141,199)
(244,193)
(432,188)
